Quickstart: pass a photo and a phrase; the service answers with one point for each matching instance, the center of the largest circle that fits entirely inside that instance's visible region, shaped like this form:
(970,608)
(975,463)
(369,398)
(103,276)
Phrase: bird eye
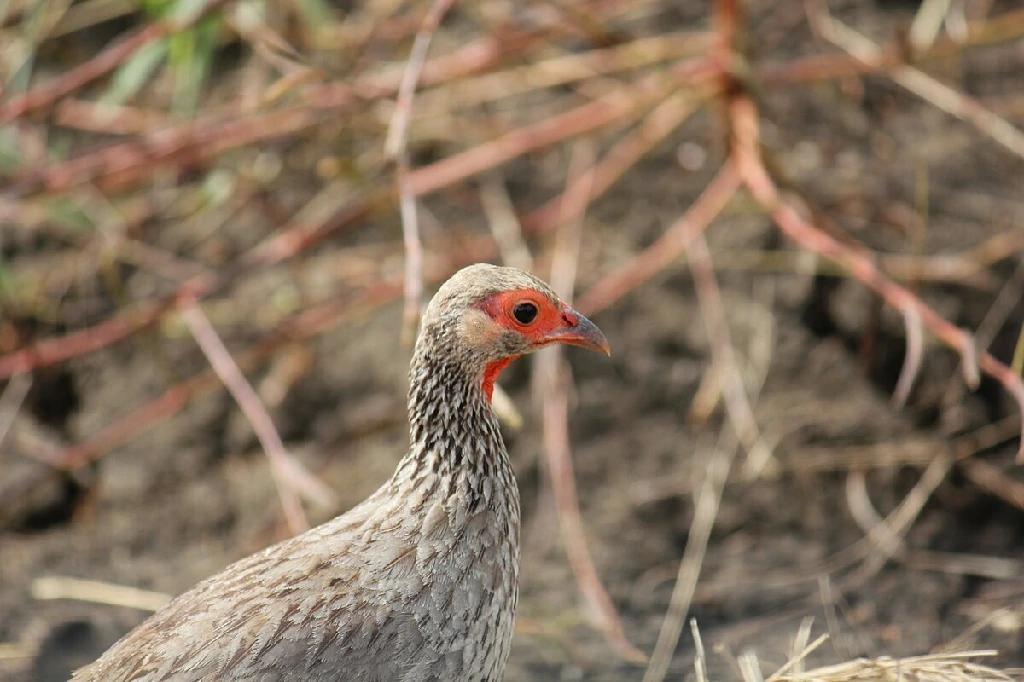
(525,312)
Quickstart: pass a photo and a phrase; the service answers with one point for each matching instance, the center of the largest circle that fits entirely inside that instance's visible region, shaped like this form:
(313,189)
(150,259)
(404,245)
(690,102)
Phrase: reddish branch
(573,123)
(291,240)
(204,139)
(189,144)
(746,157)
(58,349)
(174,399)
(657,125)
(308,323)
(395,148)
(252,407)
(556,382)
(668,247)
(100,65)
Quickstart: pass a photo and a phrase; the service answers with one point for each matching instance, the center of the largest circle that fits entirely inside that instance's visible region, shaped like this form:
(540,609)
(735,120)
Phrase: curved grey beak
(579,331)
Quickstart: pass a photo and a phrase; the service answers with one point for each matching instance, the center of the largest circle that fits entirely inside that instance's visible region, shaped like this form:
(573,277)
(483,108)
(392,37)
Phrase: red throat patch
(492,372)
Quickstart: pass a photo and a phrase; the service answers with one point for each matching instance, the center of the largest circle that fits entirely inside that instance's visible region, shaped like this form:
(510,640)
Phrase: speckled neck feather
(454,435)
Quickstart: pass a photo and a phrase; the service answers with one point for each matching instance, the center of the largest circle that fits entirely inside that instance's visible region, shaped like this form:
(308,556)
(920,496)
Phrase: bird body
(420,581)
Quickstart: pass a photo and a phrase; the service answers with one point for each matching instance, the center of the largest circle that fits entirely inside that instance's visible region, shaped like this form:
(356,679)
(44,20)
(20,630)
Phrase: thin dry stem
(96,592)
(956,667)
(958,563)
(705,510)
(58,349)
(858,501)
(283,468)
(610,109)
(555,380)
(995,317)
(969,268)
(505,226)
(413,282)
(395,147)
(669,246)
(108,118)
(100,65)
(960,450)
(564,69)
(928,88)
(627,152)
(737,404)
(13,396)
(914,357)
(328,211)
(885,536)
(802,647)
(128,163)
(928,22)
(991,478)
(748,163)
(700,661)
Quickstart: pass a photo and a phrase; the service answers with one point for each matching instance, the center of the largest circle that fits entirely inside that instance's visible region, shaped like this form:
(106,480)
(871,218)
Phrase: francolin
(420,581)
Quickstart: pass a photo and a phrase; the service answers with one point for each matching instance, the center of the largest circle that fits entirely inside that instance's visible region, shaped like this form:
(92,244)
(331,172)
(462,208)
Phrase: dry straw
(960,666)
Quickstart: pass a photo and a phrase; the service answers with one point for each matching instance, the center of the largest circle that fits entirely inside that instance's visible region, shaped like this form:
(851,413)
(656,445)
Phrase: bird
(419,581)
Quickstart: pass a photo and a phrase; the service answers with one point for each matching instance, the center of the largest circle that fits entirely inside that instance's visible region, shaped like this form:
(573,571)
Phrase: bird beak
(579,331)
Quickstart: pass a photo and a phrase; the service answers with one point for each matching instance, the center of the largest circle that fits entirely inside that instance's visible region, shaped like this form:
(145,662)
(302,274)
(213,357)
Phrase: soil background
(187,497)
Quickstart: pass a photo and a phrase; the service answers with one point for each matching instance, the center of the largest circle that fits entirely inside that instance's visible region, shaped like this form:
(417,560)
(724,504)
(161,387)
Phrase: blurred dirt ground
(938,201)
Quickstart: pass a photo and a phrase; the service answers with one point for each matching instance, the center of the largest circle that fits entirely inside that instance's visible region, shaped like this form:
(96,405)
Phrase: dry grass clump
(958,666)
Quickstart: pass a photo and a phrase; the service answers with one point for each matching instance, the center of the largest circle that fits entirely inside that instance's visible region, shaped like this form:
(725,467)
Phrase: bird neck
(454,435)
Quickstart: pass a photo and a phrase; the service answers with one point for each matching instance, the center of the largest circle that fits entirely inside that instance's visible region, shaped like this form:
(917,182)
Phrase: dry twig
(100,65)
(747,160)
(887,535)
(610,109)
(59,587)
(11,398)
(942,96)
(669,246)
(555,380)
(705,510)
(737,405)
(505,226)
(289,476)
(656,126)
(395,148)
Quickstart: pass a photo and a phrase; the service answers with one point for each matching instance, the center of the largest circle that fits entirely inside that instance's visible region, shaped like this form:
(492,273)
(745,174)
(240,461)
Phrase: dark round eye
(525,312)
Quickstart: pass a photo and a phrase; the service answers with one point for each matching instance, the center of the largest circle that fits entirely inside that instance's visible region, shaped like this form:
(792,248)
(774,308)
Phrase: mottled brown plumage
(417,583)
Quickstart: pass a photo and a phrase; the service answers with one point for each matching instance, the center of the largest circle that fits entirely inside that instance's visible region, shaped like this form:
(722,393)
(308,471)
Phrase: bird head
(491,315)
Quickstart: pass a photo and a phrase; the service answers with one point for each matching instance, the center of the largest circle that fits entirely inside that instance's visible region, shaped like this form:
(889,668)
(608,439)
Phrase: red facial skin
(491,374)
(554,323)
